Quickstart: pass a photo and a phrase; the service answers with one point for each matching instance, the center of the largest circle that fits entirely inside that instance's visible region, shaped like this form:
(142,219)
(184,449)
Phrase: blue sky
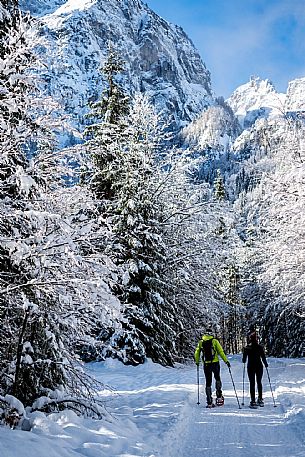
(241,38)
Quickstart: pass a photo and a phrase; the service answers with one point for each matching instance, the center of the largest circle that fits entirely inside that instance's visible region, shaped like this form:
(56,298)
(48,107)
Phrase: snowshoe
(210,405)
(260,402)
(220,401)
(253,405)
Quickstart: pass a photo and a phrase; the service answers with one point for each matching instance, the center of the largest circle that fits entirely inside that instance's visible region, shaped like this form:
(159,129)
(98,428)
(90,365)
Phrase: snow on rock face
(296,95)
(215,128)
(3,13)
(160,59)
(258,98)
(41,7)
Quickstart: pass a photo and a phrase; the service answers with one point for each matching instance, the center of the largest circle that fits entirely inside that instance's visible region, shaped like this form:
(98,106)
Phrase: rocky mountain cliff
(160,59)
(295,100)
(231,134)
(255,99)
(216,127)
(40,7)
(259,99)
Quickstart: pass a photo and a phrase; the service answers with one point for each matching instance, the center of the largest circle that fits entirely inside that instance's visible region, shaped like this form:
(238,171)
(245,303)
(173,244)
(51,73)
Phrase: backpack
(208,351)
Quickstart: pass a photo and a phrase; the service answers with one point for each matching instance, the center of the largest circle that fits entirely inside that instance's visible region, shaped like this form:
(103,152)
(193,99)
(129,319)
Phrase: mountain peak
(160,58)
(296,95)
(257,98)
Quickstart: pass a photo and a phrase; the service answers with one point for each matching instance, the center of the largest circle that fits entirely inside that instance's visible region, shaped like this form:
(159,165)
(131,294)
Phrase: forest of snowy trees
(259,172)
(125,245)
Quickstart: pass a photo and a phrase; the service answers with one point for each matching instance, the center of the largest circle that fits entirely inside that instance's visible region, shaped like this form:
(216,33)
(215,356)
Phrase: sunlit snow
(153,412)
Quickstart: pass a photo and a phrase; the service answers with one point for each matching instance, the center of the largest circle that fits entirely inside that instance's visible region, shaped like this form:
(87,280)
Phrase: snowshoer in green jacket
(209,349)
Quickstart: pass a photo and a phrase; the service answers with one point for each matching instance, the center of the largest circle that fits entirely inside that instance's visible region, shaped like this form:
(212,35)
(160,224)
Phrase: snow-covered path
(229,431)
(155,414)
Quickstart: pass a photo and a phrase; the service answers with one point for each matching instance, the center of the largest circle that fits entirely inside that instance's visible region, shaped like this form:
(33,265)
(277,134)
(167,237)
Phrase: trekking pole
(198,402)
(234,388)
(244,384)
(270,387)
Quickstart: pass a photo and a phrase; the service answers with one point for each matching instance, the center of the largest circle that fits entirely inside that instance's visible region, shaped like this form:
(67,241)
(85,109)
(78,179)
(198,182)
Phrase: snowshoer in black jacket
(255,354)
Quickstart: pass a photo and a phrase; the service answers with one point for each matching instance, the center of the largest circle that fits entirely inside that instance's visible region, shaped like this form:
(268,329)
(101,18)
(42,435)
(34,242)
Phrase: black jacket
(255,354)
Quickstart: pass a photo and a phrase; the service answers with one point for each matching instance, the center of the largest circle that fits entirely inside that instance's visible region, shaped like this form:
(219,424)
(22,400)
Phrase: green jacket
(217,350)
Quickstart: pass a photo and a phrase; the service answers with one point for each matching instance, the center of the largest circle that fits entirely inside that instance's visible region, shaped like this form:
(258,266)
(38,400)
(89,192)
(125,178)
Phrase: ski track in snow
(154,413)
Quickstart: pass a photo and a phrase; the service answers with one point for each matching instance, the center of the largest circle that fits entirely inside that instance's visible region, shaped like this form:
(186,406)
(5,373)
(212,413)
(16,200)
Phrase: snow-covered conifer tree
(109,121)
(219,188)
(49,290)
(138,234)
(124,154)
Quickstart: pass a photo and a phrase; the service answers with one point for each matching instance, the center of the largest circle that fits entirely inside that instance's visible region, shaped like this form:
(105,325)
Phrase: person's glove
(197,363)
(228,364)
(266,365)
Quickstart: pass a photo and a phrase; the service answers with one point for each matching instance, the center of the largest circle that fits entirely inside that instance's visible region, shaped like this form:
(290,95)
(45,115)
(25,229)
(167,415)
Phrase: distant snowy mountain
(216,129)
(213,130)
(258,98)
(160,59)
(230,134)
(295,100)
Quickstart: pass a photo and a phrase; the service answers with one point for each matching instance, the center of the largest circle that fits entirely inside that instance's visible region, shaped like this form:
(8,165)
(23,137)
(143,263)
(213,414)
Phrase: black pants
(255,371)
(210,369)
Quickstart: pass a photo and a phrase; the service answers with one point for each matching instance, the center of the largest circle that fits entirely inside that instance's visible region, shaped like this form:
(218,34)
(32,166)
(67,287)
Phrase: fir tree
(123,146)
(127,178)
(18,189)
(109,121)
(138,235)
(219,187)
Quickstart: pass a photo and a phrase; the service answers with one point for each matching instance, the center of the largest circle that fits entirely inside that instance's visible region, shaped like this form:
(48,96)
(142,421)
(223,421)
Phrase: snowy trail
(171,423)
(234,432)
(154,413)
